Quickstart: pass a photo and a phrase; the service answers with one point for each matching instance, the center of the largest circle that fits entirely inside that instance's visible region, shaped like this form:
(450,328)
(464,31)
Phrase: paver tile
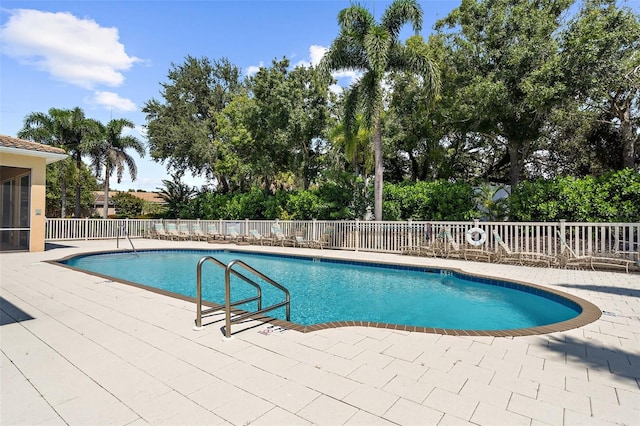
(404,352)
(338,365)
(412,370)
(405,412)
(447,381)
(362,418)
(278,416)
(291,396)
(615,413)
(95,407)
(591,389)
(518,385)
(536,409)
(487,414)
(628,398)
(330,384)
(573,418)
(344,350)
(370,399)
(478,374)
(373,359)
(547,377)
(327,411)
(409,389)
(457,405)
(451,420)
(565,399)
(21,402)
(372,376)
(490,394)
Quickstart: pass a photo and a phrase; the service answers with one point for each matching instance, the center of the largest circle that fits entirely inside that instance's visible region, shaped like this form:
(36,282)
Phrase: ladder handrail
(227,287)
(199,310)
(228,304)
(126,233)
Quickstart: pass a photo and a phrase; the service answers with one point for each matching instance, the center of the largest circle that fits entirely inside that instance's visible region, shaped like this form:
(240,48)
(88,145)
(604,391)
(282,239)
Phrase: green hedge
(612,197)
(439,200)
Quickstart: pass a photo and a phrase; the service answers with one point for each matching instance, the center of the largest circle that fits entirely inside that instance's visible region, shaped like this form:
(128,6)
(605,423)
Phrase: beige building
(23,166)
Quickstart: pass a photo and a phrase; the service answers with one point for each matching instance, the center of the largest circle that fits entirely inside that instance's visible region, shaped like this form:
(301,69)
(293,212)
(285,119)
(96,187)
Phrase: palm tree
(65,128)
(375,49)
(356,145)
(176,194)
(110,153)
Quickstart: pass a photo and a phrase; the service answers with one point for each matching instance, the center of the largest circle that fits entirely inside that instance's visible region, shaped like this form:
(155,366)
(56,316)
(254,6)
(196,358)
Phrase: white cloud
(73,50)
(113,101)
(316,53)
(253,69)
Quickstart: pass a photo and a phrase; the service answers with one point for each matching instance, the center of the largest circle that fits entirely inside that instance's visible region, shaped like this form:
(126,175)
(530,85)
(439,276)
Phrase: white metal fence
(619,239)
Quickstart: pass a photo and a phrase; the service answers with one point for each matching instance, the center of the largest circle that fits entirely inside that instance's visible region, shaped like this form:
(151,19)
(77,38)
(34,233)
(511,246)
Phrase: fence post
(314,226)
(356,243)
(86,228)
(246,226)
(562,232)
(410,232)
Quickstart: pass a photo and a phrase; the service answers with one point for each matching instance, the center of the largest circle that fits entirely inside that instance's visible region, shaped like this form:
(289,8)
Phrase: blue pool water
(325,291)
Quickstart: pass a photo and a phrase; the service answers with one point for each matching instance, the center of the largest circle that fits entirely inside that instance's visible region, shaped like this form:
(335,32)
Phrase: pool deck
(77,349)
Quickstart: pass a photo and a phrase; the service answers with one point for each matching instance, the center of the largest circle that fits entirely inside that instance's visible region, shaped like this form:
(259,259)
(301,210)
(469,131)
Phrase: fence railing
(620,239)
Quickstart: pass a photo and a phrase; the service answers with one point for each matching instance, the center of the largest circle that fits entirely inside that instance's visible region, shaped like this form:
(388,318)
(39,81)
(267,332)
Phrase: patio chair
(324,240)
(300,241)
(184,232)
(173,232)
(506,255)
(475,249)
(568,257)
(159,232)
(213,233)
(436,247)
(279,238)
(255,237)
(233,234)
(197,234)
(452,248)
(416,249)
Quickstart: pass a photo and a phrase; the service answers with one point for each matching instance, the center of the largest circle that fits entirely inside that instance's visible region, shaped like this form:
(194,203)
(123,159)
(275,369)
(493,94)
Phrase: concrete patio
(77,349)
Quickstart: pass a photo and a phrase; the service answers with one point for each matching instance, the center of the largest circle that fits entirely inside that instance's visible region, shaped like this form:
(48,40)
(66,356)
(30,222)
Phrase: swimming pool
(327,291)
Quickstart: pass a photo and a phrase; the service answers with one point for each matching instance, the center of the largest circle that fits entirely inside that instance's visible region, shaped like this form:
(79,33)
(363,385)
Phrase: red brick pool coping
(589,312)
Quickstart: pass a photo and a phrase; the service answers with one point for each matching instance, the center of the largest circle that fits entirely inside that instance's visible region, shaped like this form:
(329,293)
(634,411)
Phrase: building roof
(151,197)
(13,145)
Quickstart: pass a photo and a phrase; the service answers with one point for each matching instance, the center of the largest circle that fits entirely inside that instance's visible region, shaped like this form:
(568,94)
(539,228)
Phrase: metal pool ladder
(228,270)
(126,233)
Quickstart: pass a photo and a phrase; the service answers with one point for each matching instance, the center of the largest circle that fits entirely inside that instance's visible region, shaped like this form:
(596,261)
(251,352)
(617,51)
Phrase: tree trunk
(78,185)
(628,141)
(515,165)
(378,183)
(63,189)
(106,194)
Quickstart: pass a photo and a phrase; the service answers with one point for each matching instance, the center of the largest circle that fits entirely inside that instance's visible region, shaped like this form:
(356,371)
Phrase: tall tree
(65,128)
(182,129)
(504,59)
(602,55)
(375,49)
(109,153)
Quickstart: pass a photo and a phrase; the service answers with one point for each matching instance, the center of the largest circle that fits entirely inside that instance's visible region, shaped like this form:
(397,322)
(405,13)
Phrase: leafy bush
(612,197)
(440,200)
(127,205)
